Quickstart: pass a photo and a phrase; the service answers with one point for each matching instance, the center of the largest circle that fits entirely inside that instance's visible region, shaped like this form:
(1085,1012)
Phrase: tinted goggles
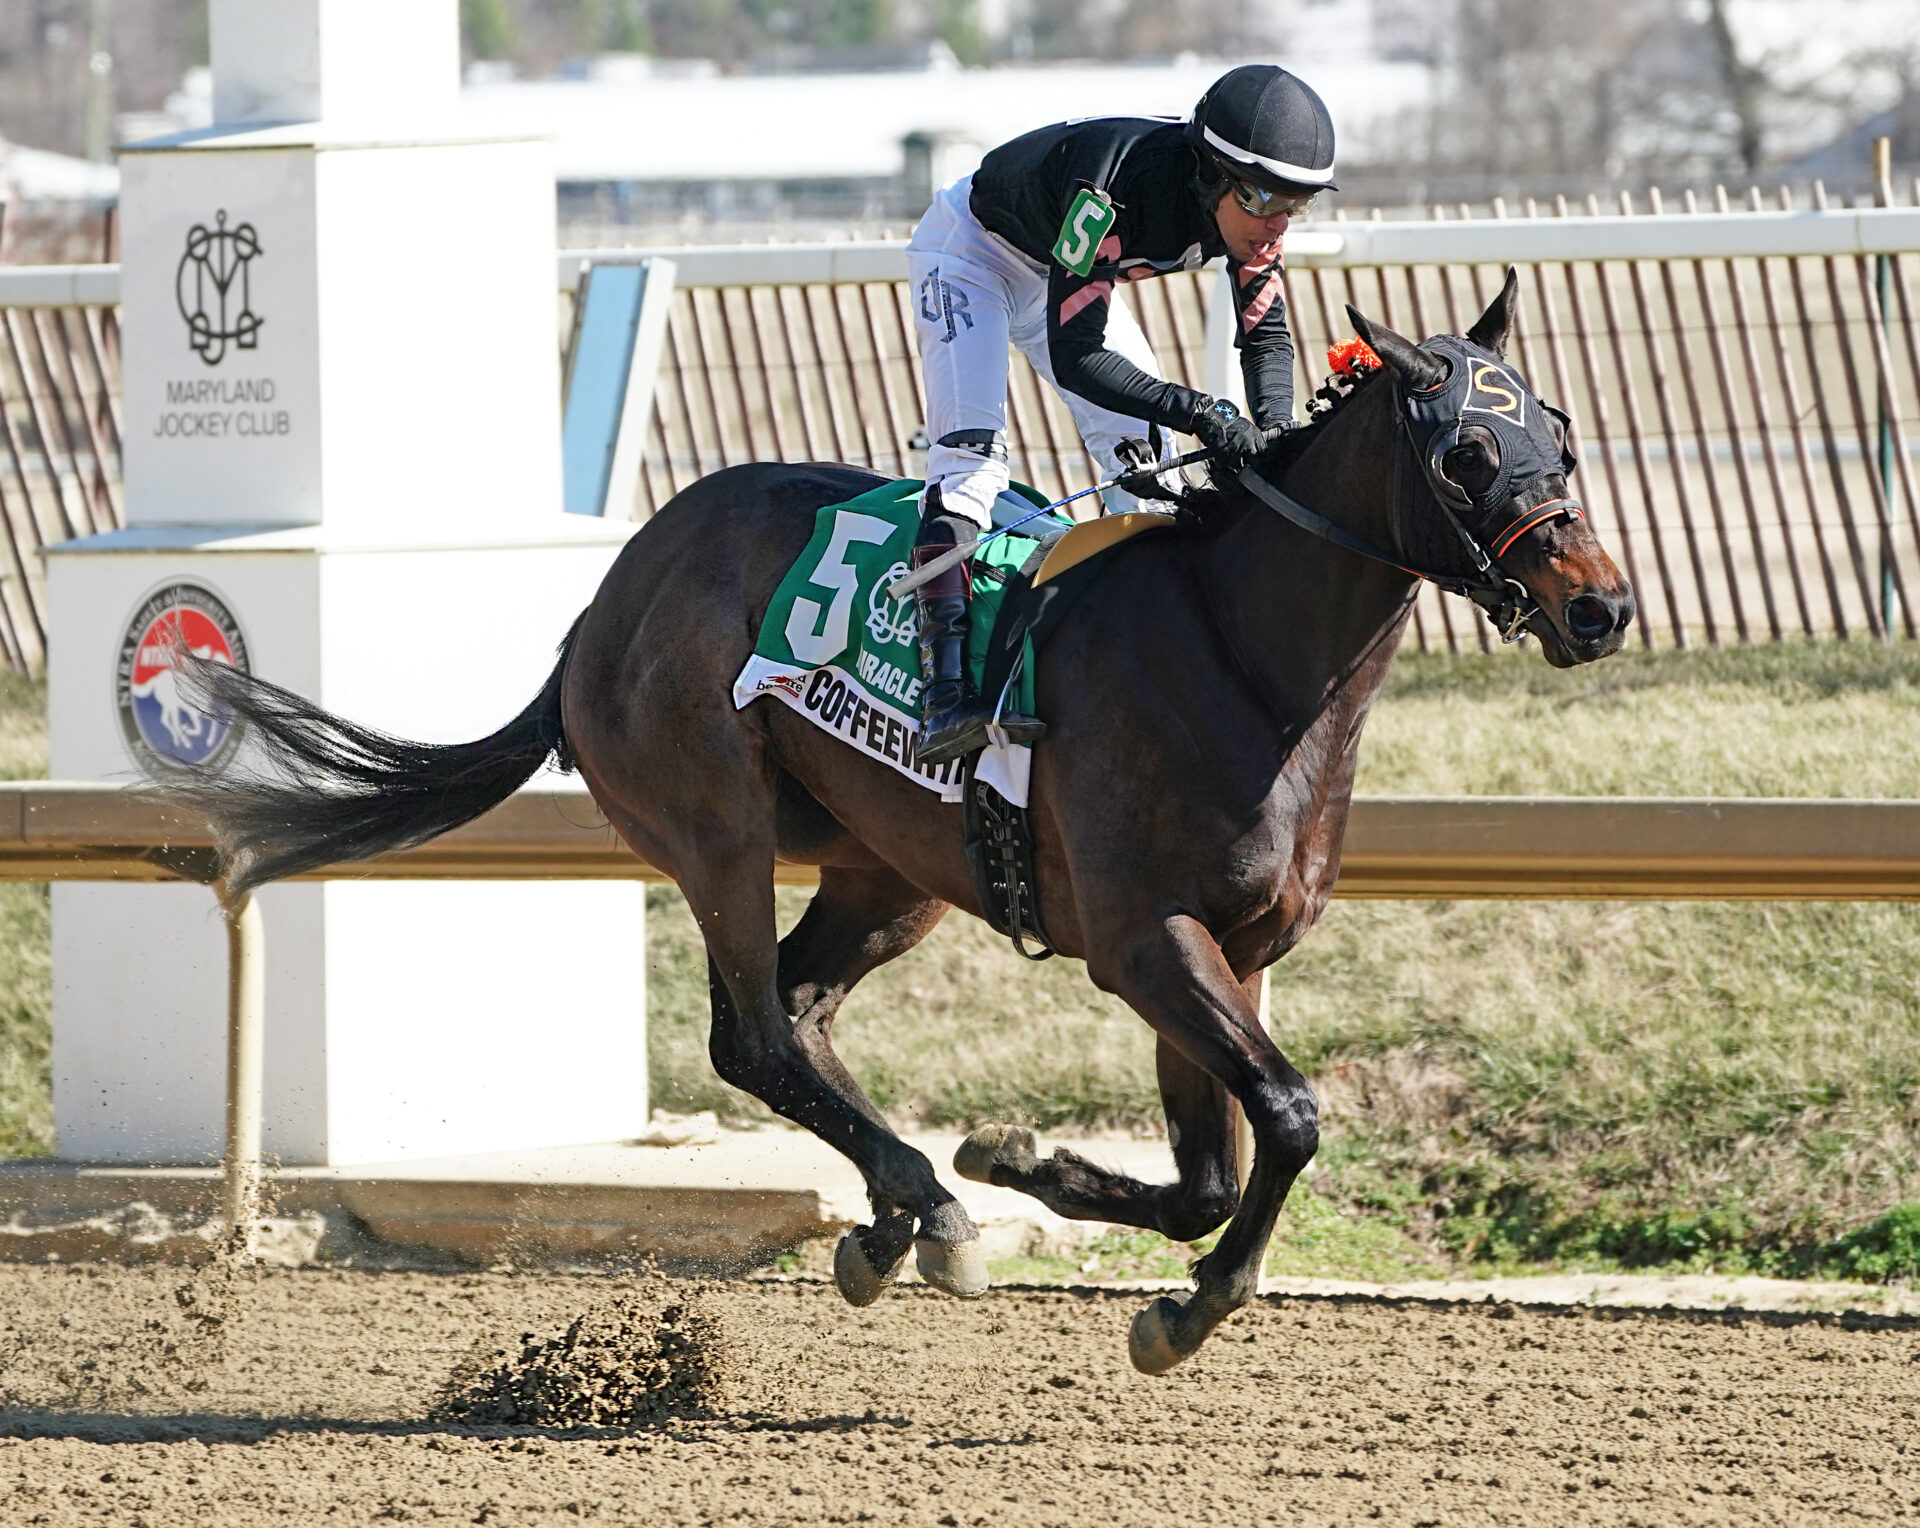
(1262,203)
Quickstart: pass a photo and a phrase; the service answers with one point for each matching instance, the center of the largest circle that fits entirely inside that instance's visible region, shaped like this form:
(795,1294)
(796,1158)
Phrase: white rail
(59,286)
(1480,241)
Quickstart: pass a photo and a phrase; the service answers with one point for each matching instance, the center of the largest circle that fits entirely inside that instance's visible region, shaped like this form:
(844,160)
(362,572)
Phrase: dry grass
(26,967)
(23,727)
(1800,719)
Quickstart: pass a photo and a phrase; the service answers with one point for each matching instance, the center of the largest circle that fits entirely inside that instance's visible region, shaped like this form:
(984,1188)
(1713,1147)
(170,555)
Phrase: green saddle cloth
(835,648)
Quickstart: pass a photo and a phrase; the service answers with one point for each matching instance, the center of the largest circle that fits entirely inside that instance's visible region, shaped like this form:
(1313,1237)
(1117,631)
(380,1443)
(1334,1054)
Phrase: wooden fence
(1744,379)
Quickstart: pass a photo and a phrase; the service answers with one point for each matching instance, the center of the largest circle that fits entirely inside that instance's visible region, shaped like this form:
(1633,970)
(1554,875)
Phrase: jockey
(1026,250)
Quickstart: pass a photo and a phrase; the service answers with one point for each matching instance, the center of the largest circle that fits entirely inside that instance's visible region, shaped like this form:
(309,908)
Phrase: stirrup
(969,725)
(954,731)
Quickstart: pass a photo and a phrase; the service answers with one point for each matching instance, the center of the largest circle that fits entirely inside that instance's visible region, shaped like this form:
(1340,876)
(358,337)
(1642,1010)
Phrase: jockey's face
(1250,240)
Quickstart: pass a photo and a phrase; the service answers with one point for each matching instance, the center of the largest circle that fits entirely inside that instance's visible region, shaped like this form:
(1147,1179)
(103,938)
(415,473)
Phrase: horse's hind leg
(1199,1128)
(754,1045)
(857,921)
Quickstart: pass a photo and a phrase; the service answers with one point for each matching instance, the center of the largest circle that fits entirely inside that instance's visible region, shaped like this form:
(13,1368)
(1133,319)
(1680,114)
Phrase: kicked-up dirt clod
(641,1357)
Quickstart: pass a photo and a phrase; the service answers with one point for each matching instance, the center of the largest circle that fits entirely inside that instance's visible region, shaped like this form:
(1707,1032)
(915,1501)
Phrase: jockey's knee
(970,468)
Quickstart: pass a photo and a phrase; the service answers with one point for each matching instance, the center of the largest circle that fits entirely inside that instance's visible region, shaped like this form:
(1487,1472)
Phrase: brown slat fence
(59,450)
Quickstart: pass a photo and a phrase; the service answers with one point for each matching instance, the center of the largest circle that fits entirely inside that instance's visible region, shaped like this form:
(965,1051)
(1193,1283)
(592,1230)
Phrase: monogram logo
(890,621)
(942,302)
(214,288)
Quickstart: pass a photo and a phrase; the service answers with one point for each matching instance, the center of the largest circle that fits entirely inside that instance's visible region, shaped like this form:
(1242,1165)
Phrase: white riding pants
(973,296)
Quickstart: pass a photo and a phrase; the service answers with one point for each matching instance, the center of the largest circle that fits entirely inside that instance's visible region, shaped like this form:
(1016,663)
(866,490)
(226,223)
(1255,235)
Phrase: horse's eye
(1470,465)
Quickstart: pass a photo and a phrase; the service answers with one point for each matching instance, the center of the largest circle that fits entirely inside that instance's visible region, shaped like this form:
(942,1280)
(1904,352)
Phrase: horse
(1205,702)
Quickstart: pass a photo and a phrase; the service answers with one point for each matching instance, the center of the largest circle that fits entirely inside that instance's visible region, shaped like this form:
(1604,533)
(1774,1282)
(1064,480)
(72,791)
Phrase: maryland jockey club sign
(213,290)
(165,728)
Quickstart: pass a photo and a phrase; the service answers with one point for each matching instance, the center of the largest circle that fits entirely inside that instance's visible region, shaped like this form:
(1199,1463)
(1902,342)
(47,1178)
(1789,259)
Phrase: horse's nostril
(1588,617)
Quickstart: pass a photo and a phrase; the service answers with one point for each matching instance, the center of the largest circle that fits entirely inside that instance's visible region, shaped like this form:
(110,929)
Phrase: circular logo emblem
(164,725)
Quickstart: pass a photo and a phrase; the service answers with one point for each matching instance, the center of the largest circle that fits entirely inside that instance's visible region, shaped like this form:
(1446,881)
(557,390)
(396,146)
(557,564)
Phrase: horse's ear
(1491,329)
(1407,361)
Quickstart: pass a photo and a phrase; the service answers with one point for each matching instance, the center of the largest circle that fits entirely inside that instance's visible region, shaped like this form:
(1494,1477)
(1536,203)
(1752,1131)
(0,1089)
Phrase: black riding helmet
(1263,127)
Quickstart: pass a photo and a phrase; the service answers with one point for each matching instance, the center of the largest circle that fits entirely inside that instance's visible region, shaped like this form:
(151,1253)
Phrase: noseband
(1477,390)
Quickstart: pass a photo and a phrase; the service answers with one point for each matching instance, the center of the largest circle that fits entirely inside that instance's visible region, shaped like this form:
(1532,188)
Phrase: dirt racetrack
(126,1399)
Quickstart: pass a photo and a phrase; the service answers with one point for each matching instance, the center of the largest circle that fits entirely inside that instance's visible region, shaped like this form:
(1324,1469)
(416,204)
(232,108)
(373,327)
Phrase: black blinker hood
(1482,389)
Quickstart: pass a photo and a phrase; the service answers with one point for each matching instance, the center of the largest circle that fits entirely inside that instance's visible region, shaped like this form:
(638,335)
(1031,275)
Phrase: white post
(246,1073)
(342,420)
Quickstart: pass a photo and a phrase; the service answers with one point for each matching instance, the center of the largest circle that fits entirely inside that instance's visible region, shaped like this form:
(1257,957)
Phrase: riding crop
(906,583)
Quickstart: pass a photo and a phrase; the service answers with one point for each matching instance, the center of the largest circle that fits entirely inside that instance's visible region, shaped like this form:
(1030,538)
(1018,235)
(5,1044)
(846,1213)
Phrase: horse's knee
(1187,1216)
(733,1056)
(1286,1120)
(751,1057)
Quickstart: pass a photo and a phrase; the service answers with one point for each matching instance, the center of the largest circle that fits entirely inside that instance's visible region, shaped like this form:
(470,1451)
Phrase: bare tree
(1570,89)
(1745,84)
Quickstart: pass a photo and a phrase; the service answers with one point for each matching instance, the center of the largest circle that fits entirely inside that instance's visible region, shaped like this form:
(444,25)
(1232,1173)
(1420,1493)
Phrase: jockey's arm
(1265,342)
(1077,309)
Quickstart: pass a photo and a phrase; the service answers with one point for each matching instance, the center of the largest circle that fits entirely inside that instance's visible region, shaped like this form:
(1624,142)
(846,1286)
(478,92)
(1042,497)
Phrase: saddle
(998,836)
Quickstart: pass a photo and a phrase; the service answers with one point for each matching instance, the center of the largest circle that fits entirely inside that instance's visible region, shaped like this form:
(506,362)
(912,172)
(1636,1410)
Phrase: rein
(1506,601)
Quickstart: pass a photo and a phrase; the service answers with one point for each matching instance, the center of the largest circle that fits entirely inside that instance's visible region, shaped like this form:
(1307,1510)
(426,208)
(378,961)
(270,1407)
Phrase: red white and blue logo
(165,724)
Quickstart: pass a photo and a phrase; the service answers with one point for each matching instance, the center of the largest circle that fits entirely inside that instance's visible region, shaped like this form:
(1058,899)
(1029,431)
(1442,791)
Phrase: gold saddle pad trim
(1094,536)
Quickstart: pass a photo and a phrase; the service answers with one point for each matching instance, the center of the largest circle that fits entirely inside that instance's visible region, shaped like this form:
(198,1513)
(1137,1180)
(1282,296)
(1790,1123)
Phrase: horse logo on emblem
(890,621)
(214,288)
(166,726)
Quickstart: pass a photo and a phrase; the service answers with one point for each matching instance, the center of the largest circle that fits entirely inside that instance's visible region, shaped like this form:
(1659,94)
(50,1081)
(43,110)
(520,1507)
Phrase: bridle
(1428,423)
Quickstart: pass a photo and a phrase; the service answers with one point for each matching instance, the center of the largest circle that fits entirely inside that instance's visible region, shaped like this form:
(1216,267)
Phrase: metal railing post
(246,1027)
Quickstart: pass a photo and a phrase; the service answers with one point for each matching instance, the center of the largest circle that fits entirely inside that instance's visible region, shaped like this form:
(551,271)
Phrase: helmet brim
(1267,174)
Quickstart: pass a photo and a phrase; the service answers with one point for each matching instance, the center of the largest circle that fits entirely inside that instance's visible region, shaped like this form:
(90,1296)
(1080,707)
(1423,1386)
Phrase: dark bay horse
(1205,703)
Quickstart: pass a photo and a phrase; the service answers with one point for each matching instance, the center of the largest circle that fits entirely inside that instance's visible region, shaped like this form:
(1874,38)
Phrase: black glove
(1233,439)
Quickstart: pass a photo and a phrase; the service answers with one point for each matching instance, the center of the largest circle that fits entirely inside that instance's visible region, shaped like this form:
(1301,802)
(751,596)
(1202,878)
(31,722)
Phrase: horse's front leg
(1175,977)
(1199,1129)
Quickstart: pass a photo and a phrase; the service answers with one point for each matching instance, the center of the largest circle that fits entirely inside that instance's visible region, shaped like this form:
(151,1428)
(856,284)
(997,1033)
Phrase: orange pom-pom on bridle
(1352,358)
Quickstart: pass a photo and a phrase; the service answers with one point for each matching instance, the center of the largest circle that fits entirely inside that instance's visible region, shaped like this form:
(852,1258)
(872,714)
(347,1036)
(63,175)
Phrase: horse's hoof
(960,1268)
(859,1282)
(1150,1342)
(990,1145)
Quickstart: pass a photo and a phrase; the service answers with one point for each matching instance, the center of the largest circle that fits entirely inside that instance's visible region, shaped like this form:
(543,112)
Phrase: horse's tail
(311,788)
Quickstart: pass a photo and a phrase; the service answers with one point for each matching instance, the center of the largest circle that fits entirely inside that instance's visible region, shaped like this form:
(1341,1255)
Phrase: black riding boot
(954,720)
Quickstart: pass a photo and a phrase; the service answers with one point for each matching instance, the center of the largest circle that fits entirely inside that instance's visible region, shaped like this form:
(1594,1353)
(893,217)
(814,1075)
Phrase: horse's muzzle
(1591,625)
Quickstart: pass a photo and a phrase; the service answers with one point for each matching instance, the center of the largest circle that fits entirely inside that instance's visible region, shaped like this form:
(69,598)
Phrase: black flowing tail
(310,788)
